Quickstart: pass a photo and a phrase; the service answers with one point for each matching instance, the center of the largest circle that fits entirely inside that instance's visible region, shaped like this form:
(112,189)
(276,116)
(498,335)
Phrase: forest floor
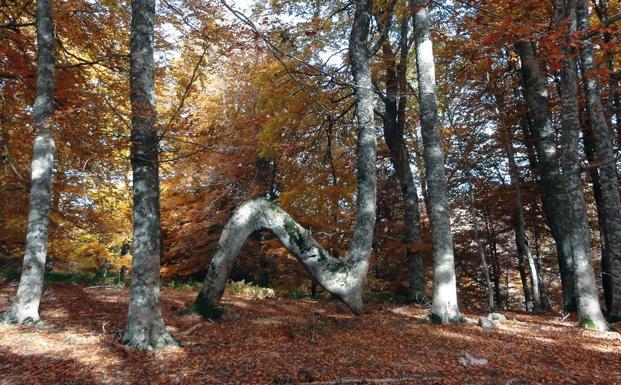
(282,341)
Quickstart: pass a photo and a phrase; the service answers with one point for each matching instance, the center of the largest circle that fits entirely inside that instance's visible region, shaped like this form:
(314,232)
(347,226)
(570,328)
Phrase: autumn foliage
(264,106)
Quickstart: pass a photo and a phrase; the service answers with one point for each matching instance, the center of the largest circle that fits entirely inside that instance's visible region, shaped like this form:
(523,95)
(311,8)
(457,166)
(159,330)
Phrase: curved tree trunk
(339,277)
(604,152)
(444,308)
(25,306)
(145,327)
(343,278)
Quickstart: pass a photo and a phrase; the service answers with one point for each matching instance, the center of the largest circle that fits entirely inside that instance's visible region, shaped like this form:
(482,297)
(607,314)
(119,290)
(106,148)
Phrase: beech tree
(394,97)
(145,327)
(523,249)
(344,278)
(444,306)
(25,306)
(547,163)
(607,167)
(572,203)
(577,224)
(264,105)
(477,240)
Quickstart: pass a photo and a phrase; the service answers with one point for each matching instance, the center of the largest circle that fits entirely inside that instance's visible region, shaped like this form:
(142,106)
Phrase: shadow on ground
(279,341)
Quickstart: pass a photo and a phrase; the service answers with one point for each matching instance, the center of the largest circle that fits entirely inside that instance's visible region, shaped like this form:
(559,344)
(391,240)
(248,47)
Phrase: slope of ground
(278,341)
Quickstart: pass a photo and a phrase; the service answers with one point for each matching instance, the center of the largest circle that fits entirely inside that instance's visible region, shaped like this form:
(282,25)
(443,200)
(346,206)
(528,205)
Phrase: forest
(310,192)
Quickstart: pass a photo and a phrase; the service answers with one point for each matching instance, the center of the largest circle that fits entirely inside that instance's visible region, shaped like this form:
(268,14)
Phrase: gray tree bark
(520,226)
(521,241)
(589,150)
(344,278)
(395,103)
(477,240)
(492,242)
(145,327)
(549,176)
(444,308)
(604,152)
(614,97)
(25,306)
(589,311)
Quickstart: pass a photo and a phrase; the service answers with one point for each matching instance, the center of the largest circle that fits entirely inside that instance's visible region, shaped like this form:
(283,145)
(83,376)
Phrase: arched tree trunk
(25,306)
(145,327)
(343,278)
(444,306)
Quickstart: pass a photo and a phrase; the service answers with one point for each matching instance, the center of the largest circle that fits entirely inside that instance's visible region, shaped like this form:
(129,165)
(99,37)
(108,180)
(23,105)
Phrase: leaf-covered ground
(278,341)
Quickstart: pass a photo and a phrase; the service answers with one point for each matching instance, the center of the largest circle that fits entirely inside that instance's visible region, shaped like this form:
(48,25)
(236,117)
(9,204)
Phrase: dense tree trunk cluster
(402,41)
(395,100)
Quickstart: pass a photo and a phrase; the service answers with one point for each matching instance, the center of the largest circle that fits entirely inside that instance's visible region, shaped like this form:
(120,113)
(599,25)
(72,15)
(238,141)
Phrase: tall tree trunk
(495,259)
(575,219)
(524,252)
(548,167)
(522,269)
(477,240)
(145,327)
(545,299)
(604,152)
(343,278)
(444,308)
(25,306)
(614,98)
(395,103)
(589,150)
(411,232)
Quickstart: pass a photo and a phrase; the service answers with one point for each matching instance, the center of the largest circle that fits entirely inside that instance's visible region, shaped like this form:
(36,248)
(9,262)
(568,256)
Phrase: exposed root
(15,317)
(148,336)
(447,318)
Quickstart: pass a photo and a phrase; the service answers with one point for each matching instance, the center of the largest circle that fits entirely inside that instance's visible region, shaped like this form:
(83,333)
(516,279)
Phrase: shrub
(248,289)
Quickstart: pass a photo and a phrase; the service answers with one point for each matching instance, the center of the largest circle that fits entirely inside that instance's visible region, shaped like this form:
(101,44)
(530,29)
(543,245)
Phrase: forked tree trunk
(25,306)
(604,151)
(444,308)
(145,327)
(343,278)
(548,166)
(395,104)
